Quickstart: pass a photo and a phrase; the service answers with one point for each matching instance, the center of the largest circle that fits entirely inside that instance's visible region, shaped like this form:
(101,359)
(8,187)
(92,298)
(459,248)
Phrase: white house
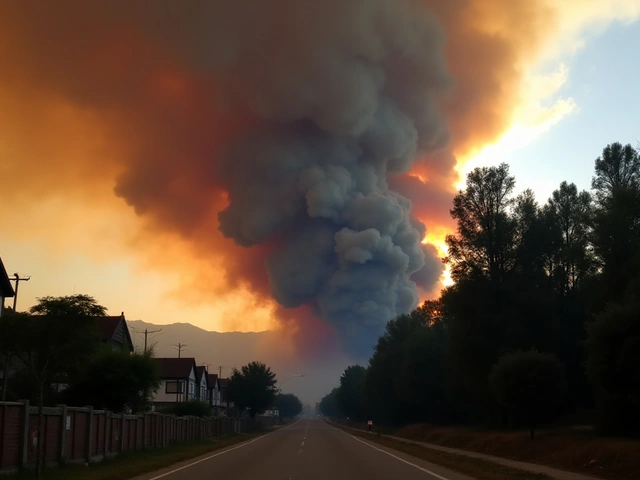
(178,381)
(214,394)
(202,391)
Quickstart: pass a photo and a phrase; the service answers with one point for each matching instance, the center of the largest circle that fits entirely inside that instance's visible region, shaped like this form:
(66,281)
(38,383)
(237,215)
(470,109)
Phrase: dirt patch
(578,450)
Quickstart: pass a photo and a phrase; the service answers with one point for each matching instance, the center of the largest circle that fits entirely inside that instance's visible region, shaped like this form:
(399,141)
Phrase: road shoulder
(530,467)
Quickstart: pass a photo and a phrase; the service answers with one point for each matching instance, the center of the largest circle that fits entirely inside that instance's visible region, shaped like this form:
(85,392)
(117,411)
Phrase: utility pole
(17,278)
(180,346)
(147,332)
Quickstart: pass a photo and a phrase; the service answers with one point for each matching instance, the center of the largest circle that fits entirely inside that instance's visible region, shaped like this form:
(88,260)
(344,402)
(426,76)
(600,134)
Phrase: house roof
(223,382)
(212,378)
(108,325)
(200,371)
(6,290)
(176,367)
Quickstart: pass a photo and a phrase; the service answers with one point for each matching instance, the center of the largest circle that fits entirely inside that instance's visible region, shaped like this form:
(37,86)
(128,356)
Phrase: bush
(528,382)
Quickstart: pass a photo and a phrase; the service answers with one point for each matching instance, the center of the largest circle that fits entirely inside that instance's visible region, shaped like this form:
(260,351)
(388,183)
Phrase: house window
(174,386)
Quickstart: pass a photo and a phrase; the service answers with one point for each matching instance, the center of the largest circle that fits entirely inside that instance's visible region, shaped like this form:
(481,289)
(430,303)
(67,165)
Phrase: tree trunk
(39,445)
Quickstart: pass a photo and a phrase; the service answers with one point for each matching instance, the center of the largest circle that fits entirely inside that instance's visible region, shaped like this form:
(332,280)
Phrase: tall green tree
(328,405)
(351,399)
(252,388)
(484,240)
(385,363)
(56,339)
(571,212)
(616,219)
(288,405)
(613,366)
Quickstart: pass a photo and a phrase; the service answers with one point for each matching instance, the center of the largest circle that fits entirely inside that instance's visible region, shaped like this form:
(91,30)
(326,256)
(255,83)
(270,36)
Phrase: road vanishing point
(308,449)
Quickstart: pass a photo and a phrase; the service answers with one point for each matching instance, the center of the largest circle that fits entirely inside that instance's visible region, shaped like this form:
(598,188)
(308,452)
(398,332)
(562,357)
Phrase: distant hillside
(232,349)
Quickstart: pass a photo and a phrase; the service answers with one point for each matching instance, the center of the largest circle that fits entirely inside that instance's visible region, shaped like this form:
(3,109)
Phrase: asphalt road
(308,449)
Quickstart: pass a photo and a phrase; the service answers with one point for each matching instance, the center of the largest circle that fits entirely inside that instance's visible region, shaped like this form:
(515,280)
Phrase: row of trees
(543,318)
(253,389)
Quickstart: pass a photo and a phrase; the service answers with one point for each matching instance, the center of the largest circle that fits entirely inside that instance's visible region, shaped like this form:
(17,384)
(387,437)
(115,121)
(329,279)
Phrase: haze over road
(309,449)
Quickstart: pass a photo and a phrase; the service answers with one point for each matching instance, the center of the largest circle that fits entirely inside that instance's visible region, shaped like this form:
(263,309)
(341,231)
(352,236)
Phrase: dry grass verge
(474,467)
(580,451)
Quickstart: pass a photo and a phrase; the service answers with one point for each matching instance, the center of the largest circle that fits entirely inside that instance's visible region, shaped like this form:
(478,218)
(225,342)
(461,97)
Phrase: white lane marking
(302,445)
(439,477)
(218,454)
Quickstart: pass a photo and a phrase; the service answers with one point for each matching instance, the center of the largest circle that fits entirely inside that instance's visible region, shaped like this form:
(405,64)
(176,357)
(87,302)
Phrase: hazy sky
(556,103)
(600,86)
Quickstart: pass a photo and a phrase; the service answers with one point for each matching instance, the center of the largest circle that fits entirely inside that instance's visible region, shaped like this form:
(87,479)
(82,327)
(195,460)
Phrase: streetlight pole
(288,377)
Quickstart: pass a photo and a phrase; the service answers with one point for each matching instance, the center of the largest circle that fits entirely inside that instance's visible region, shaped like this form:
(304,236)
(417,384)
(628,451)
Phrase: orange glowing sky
(66,224)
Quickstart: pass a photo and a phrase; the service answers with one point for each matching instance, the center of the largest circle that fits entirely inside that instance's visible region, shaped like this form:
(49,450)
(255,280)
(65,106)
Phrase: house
(202,390)
(6,290)
(214,394)
(178,381)
(114,330)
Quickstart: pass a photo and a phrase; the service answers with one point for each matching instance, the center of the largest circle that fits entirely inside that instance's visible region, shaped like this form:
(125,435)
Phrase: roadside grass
(131,464)
(574,449)
(474,467)
(567,447)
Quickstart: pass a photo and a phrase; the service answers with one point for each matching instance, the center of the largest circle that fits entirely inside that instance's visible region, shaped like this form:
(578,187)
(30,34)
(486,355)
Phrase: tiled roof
(176,367)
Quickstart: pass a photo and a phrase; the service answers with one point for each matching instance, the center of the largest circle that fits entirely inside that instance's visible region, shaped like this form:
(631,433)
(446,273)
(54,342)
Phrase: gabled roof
(223,382)
(176,367)
(212,378)
(108,325)
(200,372)
(6,290)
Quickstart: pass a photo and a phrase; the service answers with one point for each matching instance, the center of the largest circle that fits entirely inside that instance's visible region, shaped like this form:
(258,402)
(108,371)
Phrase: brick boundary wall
(83,435)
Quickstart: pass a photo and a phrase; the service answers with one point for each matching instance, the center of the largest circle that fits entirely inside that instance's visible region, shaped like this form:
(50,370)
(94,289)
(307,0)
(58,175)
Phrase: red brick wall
(10,434)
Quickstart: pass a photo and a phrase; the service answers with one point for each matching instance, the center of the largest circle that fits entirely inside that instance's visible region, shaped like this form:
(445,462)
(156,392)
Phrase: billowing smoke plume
(350,99)
(297,145)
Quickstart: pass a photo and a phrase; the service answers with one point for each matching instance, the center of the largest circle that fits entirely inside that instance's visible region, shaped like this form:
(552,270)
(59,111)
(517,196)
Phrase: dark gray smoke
(351,98)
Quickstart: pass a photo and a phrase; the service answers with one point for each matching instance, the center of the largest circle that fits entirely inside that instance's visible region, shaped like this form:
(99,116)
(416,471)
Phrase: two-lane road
(309,449)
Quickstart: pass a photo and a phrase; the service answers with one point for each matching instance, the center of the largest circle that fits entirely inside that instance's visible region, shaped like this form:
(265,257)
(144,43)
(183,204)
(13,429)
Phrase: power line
(146,333)
(179,347)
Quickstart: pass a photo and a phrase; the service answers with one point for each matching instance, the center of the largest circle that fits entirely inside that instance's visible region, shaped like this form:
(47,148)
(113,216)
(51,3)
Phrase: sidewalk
(532,467)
